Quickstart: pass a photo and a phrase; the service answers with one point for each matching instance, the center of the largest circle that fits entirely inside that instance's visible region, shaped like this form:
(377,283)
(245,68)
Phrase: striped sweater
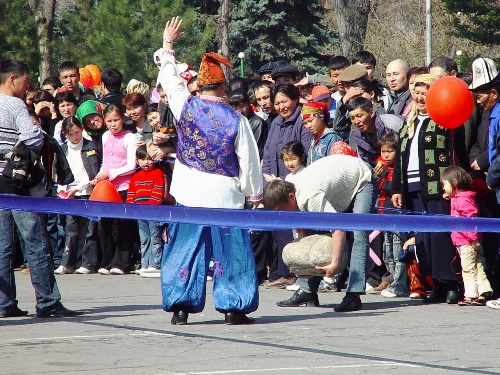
(146,187)
(16,125)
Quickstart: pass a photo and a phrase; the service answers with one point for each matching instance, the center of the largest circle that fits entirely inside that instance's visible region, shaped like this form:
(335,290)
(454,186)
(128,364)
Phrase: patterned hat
(484,74)
(342,148)
(210,70)
(320,92)
(314,109)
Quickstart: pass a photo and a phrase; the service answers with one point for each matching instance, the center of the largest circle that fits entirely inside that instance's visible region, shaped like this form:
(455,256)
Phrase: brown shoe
(383,284)
(280,283)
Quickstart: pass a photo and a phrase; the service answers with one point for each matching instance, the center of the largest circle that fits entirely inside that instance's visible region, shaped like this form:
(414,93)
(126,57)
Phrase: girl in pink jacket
(457,184)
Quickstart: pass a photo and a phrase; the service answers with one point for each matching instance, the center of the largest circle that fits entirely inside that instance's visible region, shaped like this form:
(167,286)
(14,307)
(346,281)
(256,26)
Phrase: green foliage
(272,30)
(476,20)
(18,39)
(124,34)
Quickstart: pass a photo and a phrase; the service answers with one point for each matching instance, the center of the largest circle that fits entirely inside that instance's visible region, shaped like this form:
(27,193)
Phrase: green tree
(124,34)
(18,34)
(271,30)
(476,20)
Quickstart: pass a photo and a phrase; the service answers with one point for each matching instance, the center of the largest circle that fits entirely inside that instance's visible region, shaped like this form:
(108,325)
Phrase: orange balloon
(96,73)
(86,78)
(104,191)
(449,102)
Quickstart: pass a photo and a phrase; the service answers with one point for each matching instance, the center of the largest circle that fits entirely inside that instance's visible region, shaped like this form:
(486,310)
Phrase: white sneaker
(209,278)
(138,271)
(388,293)
(61,270)
(293,287)
(368,288)
(416,296)
(83,271)
(103,271)
(494,304)
(116,271)
(149,270)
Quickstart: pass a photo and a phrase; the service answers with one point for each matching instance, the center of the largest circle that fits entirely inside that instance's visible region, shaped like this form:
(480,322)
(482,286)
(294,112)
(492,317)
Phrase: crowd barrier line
(250,219)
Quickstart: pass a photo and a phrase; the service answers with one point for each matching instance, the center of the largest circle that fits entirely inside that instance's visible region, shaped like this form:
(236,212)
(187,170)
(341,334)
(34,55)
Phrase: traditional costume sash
(206,135)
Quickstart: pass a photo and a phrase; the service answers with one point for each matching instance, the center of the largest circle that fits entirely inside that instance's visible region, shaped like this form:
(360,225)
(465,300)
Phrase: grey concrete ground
(124,331)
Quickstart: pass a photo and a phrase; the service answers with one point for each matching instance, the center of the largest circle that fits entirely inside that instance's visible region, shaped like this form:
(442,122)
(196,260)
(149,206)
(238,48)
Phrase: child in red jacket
(147,186)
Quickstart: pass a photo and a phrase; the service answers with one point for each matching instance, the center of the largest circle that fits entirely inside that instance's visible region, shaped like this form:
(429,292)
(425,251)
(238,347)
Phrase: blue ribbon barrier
(250,219)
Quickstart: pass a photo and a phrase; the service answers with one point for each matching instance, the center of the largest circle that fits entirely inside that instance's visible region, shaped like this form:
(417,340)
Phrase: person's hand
(140,143)
(329,270)
(397,200)
(101,176)
(71,192)
(159,138)
(268,177)
(255,205)
(353,92)
(378,168)
(475,166)
(303,81)
(172,32)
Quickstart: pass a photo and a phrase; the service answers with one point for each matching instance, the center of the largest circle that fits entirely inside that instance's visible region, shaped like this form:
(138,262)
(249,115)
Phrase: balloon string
(453,147)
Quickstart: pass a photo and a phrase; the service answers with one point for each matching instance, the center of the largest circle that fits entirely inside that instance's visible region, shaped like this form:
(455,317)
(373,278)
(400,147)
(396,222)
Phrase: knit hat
(484,74)
(89,107)
(186,72)
(138,86)
(314,109)
(353,73)
(210,70)
(320,92)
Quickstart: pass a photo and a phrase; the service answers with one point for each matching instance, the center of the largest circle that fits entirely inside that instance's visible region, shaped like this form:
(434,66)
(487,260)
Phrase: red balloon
(86,78)
(104,191)
(449,102)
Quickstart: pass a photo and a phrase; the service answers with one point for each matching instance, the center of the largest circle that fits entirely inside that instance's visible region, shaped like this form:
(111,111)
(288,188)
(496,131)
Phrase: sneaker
(210,278)
(415,295)
(388,293)
(61,270)
(116,271)
(379,288)
(368,288)
(151,272)
(494,304)
(103,271)
(325,286)
(84,271)
(294,287)
(138,271)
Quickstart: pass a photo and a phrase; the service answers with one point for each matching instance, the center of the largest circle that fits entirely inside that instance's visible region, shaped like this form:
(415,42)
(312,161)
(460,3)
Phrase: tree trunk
(44,17)
(224,27)
(352,19)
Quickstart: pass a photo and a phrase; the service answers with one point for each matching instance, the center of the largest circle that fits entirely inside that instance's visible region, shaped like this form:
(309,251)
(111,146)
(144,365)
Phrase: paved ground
(124,331)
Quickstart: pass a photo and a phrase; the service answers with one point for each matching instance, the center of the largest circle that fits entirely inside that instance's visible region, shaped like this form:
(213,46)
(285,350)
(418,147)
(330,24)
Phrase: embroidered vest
(206,135)
(434,155)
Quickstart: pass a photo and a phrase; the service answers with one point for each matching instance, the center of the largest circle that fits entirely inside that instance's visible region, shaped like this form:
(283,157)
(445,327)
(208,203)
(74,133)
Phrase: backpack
(24,168)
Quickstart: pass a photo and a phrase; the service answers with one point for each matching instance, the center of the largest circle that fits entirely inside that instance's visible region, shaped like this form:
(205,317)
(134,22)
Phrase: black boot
(438,294)
(351,302)
(179,318)
(300,298)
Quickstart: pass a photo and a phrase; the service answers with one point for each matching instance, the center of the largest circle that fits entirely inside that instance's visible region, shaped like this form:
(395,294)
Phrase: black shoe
(60,312)
(180,318)
(13,312)
(237,318)
(453,297)
(436,296)
(351,302)
(300,298)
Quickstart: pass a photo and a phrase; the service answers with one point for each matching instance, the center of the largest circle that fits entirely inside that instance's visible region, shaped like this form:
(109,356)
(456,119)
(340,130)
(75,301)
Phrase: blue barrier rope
(250,219)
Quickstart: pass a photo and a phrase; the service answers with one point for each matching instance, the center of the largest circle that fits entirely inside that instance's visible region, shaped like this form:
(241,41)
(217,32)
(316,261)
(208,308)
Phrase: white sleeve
(250,177)
(175,87)
(129,168)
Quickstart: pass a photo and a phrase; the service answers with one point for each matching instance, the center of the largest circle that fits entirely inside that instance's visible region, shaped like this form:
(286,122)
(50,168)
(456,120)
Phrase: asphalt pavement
(125,331)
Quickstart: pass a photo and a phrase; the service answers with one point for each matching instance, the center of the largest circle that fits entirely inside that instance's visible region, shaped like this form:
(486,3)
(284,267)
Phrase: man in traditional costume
(217,166)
